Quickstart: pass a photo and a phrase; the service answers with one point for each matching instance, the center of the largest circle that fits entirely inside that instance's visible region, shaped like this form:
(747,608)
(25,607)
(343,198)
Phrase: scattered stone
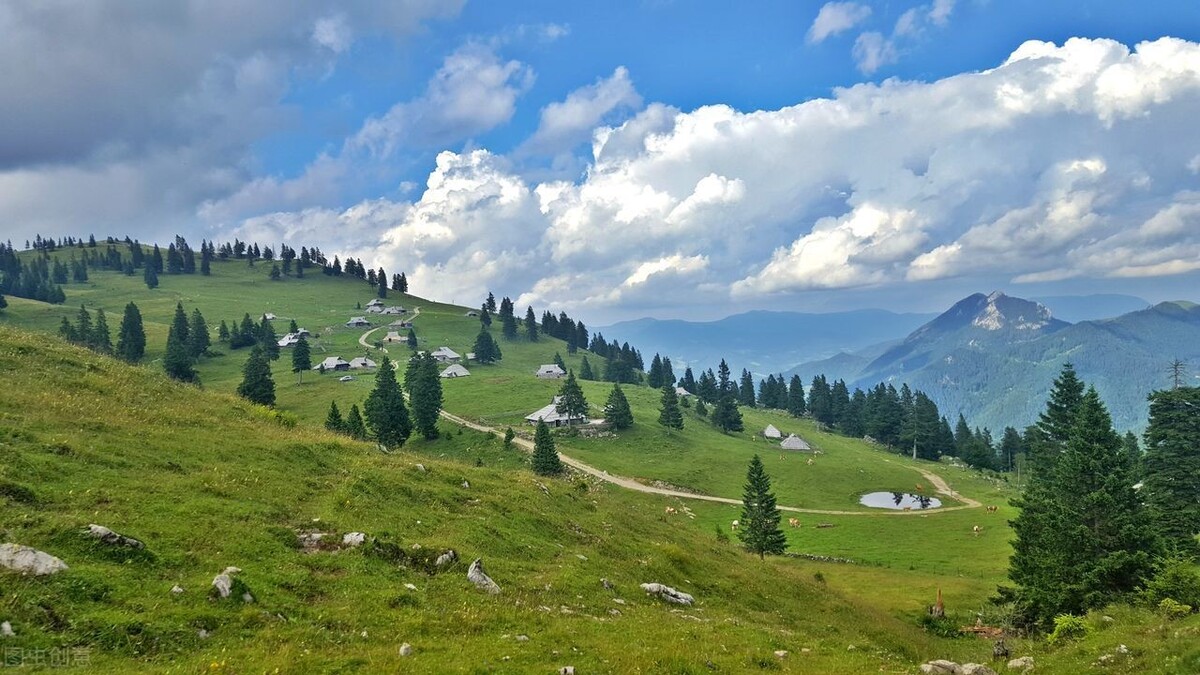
(1023,664)
(309,542)
(1105,659)
(363,634)
(176,589)
(353,539)
(614,611)
(566,670)
(107,536)
(202,634)
(6,630)
(667,593)
(975,669)
(406,649)
(581,556)
(466,485)
(421,468)
(619,601)
(805,650)
(416,547)
(482,581)
(941,667)
(606,584)
(780,653)
(447,558)
(247,598)
(1122,649)
(223,582)
(410,587)
(28,560)
(1000,650)
(851,648)
(522,638)
(1107,619)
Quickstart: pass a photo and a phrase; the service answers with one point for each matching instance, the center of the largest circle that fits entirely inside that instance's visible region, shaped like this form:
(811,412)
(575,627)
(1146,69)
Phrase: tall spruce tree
(1083,537)
(411,340)
(198,337)
(267,339)
(654,377)
(545,460)
(795,397)
(758,528)
(531,325)
(354,425)
(150,276)
(385,408)
(333,420)
(616,410)
(746,390)
(131,341)
(177,362)
(426,397)
(585,370)
(257,385)
(668,412)
(301,359)
(1171,467)
(486,349)
(725,413)
(101,339)
(571,401)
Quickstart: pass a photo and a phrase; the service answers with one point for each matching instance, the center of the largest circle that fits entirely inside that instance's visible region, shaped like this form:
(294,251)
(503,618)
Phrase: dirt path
(939,484)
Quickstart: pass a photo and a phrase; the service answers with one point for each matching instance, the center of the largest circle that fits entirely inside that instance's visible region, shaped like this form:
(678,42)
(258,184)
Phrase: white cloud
(873,51)
(333,33)
(940,12)
(837,17)
(566,123)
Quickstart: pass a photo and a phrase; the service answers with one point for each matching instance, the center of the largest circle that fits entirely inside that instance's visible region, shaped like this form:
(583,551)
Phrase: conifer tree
(654,377)
(411,340)
(701,409)
(490,303)
(257,385)
(66,331)
(758,528)
(486,350)
(83,328)
(383,283)
(426,397)
(150,276)
(403,283)
(198,338)
(545,460)
(585,370)
(571,402)
(1171,467)
(267,339)
(668,373)
(223,332)
(354,425)
(301,359)
(179,324)
(101,339)
(333,421)
(668,413)
(558,361)
(725,414)
(531,325)
(276,274)
(485,317)
(746,390)
(3,302)
(177,362)
(293,327)
(508,327)
(385,409)
(795,397)
(616,410)
(131,341)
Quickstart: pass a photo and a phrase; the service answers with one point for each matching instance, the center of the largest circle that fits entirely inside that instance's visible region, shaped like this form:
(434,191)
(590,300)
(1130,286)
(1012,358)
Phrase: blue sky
(621,159)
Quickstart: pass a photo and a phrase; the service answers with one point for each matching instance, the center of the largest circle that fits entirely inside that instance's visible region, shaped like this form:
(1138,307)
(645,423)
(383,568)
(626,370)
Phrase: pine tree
(795,397)
(66,331)
(426,397)
(131,341)
(101,339)
(490,303)
(725,414)
(571,402)
(558,361)
(276,274)
(3,302)
(1011,446)
(485,317)
(385,409)
(198,338)
(508,327)
(1082,537)
(668,373)
(267,339)
(758,528)
(179,324)
(354,425)
(701,409)
(150,276)
(668,413)
(654,377)
(411,340)
(257,385)
(223,332)
(301,359)
(531,326)
(333,421)
(383,283)
(83,328)
(486,350)
(1171,466)
(746,390)
(545,460)
(177,362)
(403,283)
(617,411)
(585,370)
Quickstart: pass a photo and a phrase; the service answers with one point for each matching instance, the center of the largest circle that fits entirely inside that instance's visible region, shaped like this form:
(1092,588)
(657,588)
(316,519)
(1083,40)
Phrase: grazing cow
(734,525)
(992,509)
(976,530)
(794,522)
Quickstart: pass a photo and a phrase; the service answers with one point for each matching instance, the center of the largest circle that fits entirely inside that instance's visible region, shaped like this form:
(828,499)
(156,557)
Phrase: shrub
(941,626)
(1174,610)
(1068,627)
(1176,579)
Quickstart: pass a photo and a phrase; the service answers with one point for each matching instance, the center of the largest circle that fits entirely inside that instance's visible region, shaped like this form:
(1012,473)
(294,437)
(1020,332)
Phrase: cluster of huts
(792,442)
(376,306)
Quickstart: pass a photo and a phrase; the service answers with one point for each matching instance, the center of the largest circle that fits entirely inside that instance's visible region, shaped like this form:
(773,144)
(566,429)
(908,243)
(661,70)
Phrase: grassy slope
(907,558)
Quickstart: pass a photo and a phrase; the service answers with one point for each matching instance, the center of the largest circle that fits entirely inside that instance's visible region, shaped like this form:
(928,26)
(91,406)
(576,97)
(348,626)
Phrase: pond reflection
(898,501)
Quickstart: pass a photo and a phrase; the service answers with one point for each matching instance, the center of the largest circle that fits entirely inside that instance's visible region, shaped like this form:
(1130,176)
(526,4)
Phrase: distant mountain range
(994,357)
(763,341)
(1076,308)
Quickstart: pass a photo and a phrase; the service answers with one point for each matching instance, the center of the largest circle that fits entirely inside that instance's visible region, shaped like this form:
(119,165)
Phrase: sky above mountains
(623,159)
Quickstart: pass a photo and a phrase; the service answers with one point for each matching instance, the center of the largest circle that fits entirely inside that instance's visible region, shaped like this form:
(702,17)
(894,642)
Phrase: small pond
(899,501)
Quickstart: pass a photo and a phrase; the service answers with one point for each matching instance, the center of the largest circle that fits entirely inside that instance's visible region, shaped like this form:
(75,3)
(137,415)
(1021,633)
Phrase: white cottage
(794,442)
(772,432)
(333,363)
(445,355)
(361,362)
(550,371)
(455,371)
(551,416)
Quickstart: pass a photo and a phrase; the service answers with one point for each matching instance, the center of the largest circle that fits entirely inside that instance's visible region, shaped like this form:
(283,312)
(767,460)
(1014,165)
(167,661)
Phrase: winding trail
(939,484)
(362,339)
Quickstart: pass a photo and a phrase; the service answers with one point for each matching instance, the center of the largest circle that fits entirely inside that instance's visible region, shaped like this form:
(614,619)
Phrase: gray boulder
(941,667)
(223,582)
(6,630)
(482,581)
(111,538)
(669,594)
(26,560)
(976,669)
(447,558)
(1022,664)
(353,539)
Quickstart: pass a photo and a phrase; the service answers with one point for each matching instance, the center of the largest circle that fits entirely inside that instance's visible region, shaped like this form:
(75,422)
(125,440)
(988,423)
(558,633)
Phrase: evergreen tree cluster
(86,332)
(32,280)
(248,333)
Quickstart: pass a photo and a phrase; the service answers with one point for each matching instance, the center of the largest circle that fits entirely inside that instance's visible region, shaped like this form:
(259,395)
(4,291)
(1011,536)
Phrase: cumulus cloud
(837,17)
(873,51)
(566,123)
